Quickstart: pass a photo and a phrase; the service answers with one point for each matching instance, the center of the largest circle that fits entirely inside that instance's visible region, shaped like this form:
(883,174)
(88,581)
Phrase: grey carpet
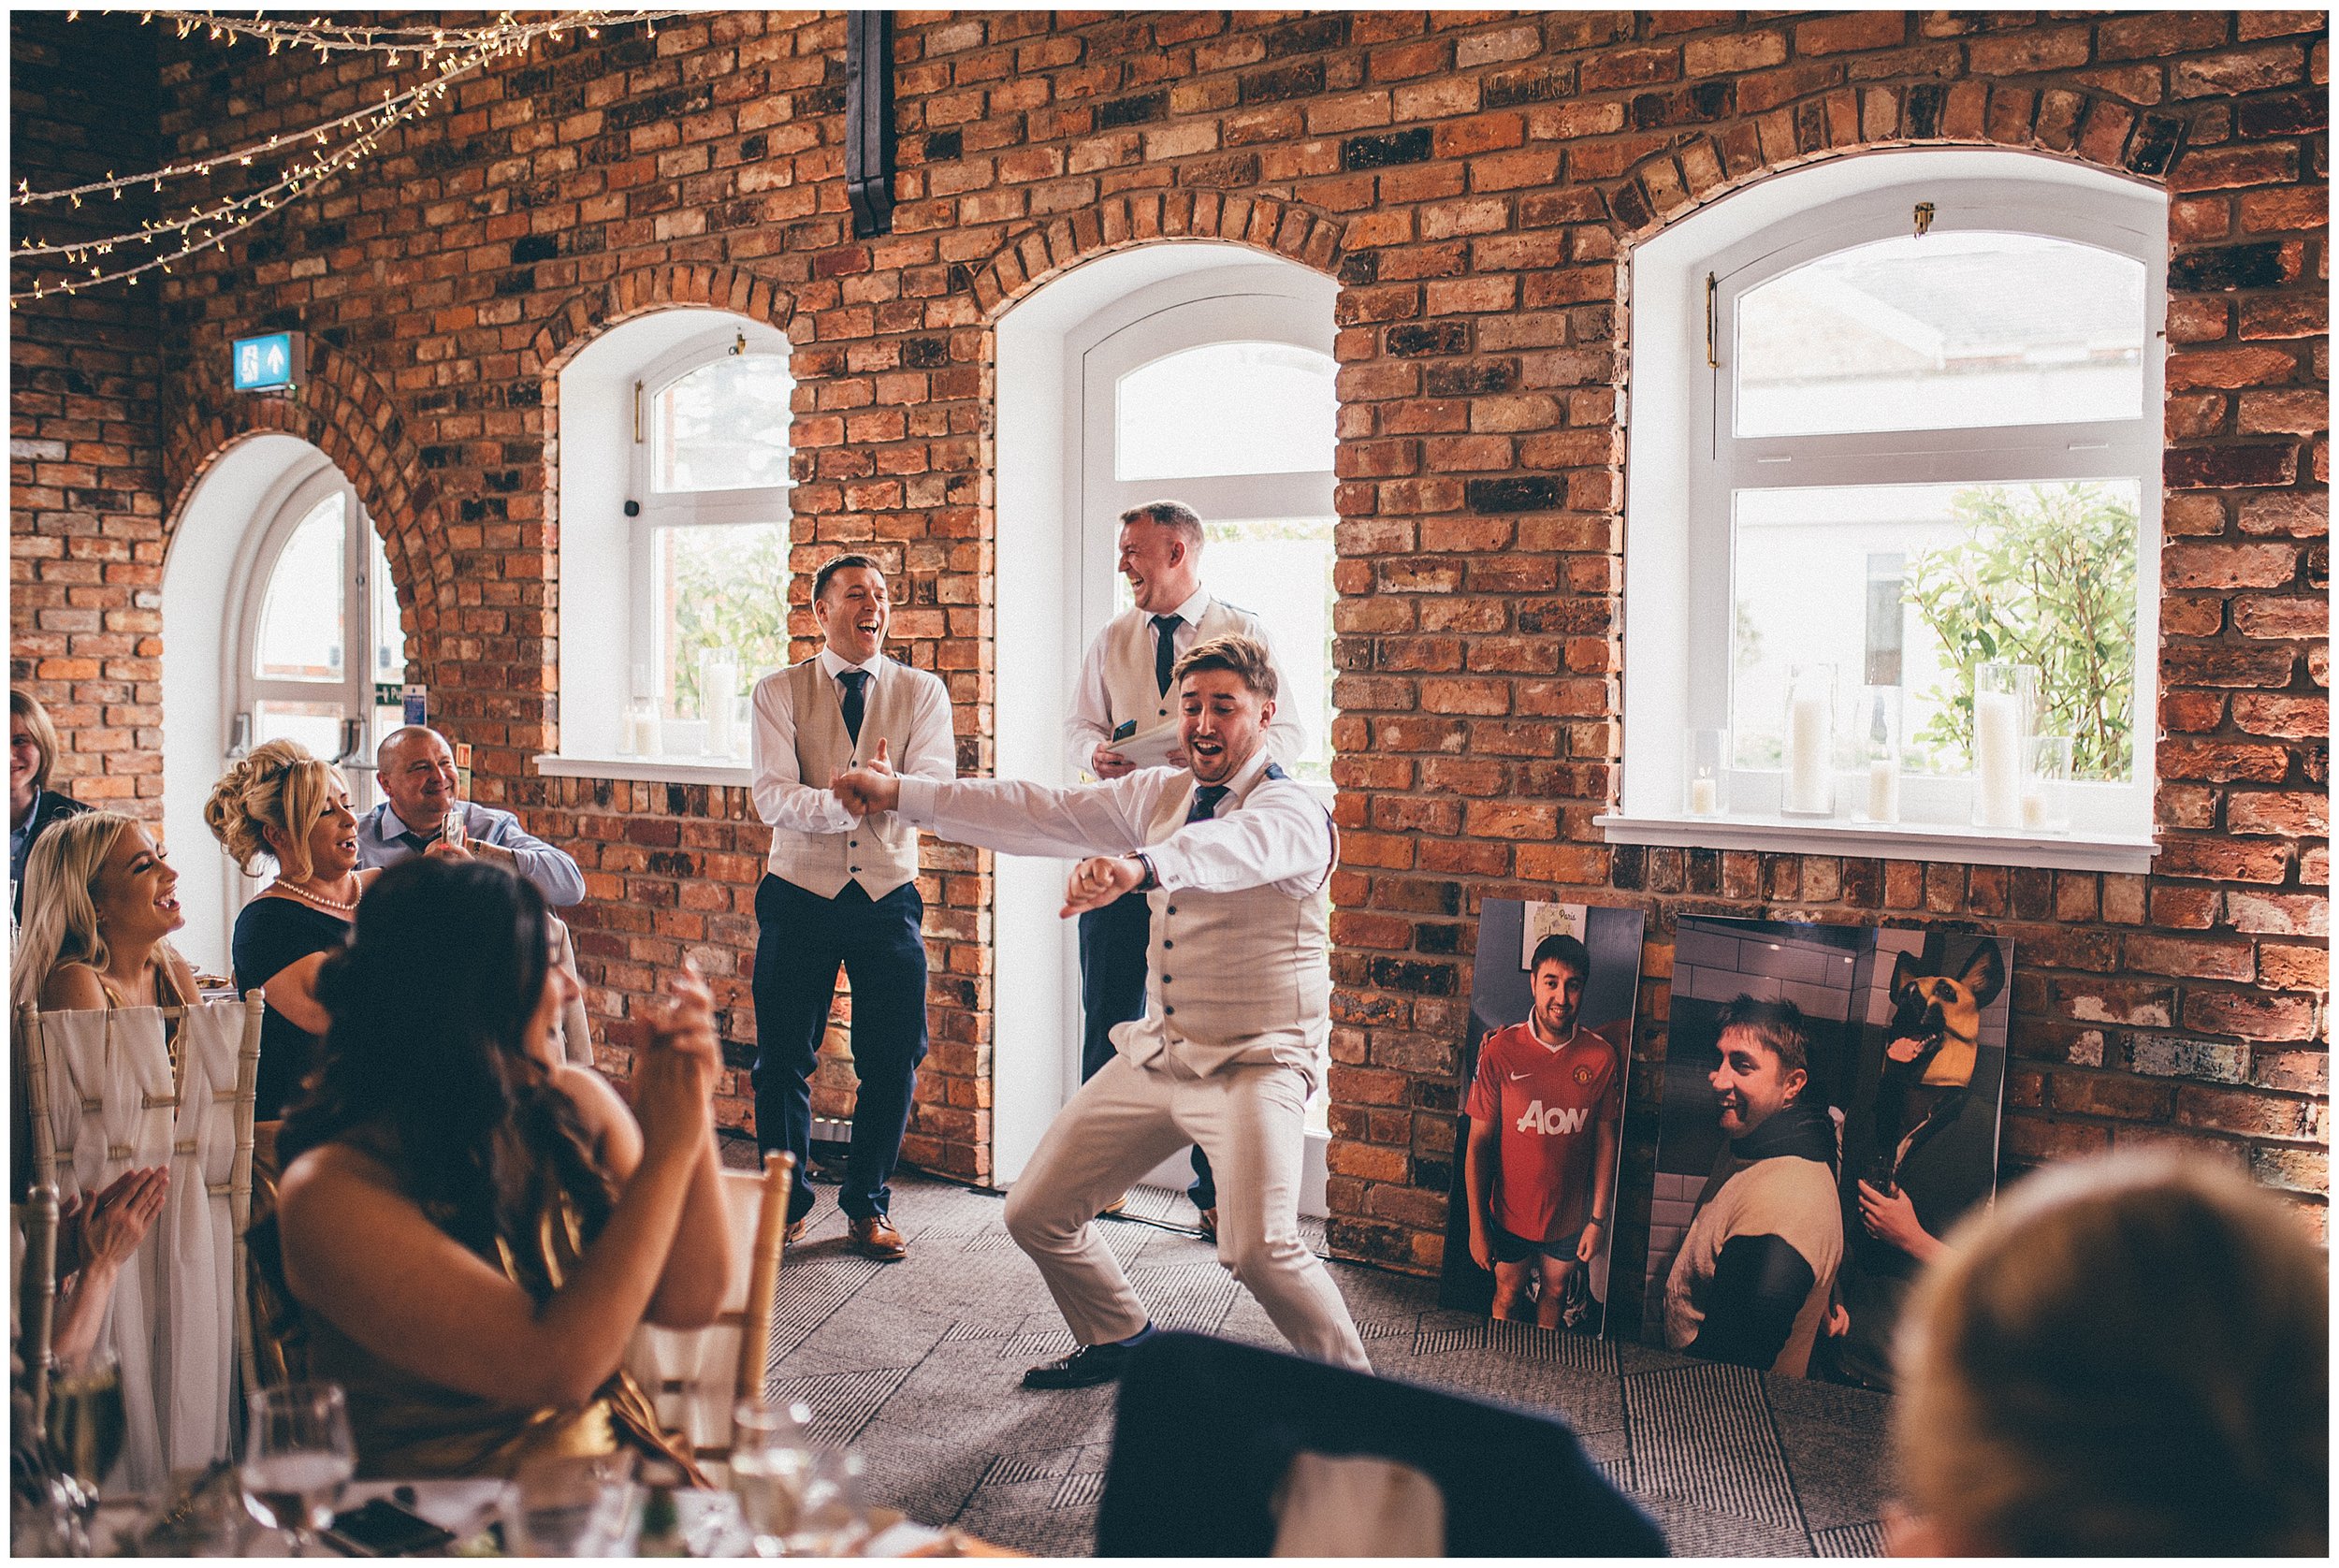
(917,1364)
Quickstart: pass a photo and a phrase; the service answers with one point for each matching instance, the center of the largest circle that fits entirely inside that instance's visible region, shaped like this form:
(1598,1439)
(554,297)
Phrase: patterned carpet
(917,1365)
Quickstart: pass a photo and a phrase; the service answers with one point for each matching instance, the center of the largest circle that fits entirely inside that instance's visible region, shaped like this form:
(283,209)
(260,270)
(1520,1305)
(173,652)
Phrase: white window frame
(608,562)
(1685,463)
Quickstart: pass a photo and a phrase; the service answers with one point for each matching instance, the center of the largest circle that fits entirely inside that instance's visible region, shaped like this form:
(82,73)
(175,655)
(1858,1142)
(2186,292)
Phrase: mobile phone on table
(383,1529)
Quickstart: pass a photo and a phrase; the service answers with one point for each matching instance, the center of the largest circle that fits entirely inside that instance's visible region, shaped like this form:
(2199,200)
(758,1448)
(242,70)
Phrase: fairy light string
(450,53)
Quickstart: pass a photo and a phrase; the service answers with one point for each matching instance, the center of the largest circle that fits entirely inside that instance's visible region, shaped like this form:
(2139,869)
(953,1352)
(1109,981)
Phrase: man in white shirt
(843,888)
(1233,857)
(1123,719)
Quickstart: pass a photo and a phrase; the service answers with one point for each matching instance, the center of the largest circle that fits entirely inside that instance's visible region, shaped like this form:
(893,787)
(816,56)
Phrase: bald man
(416,768)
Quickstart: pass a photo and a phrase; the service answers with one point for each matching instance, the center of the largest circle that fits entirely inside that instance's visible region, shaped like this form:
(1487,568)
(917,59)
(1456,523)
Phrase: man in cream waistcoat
(1232,856)
(842,889)
(1123,717)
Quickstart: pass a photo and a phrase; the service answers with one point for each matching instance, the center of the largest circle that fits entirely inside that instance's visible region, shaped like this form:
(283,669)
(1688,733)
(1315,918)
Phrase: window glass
(315,725)
(1913,585)
(1946,331)
(390,637)
(300,616)
(1225,408)
(720,588)
(724,426)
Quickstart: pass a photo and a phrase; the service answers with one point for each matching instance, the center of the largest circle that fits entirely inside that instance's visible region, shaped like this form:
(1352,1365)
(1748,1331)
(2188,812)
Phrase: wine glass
(86,1424)
(298,1455)
(770,1460)
(833,1517)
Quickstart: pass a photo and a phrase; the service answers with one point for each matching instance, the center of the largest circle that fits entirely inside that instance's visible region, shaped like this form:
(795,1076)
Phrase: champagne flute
(87,1424)
(770,1461)
(833,1518)
(298,1455)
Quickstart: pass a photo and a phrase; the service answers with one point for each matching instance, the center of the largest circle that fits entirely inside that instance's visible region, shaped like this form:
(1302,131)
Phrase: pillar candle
(1997,758)
(1810,743)
(1703,798)
(1883,790)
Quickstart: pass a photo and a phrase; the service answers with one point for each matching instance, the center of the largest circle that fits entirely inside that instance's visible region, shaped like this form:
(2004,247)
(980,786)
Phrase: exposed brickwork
(1475,181)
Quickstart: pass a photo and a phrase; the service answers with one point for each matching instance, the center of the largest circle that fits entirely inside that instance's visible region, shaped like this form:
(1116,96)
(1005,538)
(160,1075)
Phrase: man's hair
(24,705)
(1245,656)
(839,563)
(399,737)
(1561,947)
(1778,1027)
(1173,514)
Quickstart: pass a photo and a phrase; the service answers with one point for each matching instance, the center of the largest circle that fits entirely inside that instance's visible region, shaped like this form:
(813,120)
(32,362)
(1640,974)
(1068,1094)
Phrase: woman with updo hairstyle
(283,806)
(2130,1356)
(472,1227)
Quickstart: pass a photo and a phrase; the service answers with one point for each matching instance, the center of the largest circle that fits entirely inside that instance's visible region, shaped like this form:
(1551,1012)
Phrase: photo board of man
(1534,1208)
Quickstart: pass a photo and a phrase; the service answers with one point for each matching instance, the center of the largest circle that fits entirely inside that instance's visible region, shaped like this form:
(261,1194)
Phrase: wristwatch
(1148,881)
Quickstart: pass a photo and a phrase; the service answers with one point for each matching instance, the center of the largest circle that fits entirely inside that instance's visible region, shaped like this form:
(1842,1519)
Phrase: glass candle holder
(2005,707)
(1705,773)
(1807,785)
(1877,729)
(2046,786)
(719,687)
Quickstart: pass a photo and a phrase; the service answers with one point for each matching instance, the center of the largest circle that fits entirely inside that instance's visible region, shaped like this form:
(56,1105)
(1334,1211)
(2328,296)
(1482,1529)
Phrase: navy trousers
(801,941)
(1113,991)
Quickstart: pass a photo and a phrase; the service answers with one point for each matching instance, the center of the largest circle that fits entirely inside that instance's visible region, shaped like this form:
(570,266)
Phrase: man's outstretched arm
(1014,817)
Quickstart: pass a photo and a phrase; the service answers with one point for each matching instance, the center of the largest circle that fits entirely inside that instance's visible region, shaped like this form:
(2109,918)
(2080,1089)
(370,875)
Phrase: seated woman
(472,1227)
(282,804)
(2128,1357)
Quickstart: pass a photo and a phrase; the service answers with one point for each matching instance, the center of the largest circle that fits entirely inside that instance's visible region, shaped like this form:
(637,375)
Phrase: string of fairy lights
(312,155)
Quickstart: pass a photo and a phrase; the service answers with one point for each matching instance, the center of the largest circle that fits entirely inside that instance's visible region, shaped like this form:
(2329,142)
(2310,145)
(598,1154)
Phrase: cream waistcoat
(881,853)
(1128,653)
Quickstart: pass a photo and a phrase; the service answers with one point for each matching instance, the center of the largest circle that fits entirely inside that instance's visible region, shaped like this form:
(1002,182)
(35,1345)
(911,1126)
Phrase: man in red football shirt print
(1545,1111)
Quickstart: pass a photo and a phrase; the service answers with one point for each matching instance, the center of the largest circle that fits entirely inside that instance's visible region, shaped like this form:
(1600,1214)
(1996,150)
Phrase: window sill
(1918,841)
(653,770)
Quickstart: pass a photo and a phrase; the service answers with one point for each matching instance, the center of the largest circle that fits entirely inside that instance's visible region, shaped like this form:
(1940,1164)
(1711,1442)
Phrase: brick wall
(1474,182)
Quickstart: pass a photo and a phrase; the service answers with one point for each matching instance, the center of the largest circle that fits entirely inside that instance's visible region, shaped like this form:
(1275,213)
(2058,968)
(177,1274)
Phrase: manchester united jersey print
(1547,1107)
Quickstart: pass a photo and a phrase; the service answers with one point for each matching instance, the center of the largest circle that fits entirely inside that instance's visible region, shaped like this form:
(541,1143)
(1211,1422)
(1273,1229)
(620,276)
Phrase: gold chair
(694,1376)
(37,1295)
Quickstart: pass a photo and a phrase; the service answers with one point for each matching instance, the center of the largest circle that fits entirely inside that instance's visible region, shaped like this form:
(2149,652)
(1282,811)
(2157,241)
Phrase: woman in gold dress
(472,1227)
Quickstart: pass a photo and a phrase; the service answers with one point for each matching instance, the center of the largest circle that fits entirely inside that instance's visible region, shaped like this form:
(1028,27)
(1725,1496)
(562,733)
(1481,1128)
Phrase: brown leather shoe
(876,1237)
(795,1230)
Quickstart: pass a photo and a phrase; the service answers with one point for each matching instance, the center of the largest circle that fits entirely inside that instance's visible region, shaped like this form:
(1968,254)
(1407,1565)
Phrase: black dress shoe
(1086,1367)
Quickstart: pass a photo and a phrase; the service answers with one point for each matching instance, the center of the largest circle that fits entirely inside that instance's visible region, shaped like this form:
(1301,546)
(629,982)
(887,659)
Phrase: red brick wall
(1474,180)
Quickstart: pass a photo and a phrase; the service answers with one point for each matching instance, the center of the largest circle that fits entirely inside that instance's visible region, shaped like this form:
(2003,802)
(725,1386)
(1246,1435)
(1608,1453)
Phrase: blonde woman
(2130,1357)
(34,807)
(284,806)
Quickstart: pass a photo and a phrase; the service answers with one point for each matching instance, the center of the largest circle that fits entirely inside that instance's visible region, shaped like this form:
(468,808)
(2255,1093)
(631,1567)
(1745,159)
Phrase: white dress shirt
(785,799)
(1091,720)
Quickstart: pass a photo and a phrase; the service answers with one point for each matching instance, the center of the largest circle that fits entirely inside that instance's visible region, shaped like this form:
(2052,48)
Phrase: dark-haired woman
(472,1227)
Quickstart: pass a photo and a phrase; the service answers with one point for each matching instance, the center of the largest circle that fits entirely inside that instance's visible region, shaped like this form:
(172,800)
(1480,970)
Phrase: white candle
(651,734)
(1810,743)
(629,731)
(717,683)
(1883,790)
(1703,801)
(2034,808)
(1997,758)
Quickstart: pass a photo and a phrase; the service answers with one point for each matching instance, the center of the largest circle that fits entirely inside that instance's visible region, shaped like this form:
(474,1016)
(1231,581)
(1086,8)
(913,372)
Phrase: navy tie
(1165,649)
(855,702)
(1206,801)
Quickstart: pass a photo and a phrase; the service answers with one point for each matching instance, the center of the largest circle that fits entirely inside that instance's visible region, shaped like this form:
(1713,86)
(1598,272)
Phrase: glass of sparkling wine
(298,1455)
(86,1425)
(771,1456)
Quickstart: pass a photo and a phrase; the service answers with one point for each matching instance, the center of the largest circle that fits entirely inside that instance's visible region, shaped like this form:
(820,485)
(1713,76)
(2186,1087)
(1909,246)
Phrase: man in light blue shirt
(416,768)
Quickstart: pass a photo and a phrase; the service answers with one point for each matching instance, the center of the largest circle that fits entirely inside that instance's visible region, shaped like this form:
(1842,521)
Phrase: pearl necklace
(318,900)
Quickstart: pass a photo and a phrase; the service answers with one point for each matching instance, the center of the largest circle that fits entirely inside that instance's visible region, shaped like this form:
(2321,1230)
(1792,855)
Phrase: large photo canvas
(1533,1218)
(1831,1103)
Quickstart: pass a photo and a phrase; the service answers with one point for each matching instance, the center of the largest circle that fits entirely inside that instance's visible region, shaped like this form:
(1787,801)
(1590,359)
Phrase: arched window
(674,484)
(1913,423)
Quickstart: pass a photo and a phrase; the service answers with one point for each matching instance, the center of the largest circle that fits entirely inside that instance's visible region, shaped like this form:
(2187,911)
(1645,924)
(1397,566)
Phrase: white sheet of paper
(1149,749)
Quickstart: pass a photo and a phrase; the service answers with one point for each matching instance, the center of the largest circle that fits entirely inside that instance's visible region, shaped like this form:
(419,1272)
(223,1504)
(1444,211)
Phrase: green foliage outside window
(727,588)
(2045,575)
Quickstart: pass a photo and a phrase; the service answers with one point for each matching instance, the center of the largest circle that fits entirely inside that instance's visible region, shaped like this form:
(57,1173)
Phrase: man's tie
(1165,649)
(416,842)
(856,700)
(1206,801)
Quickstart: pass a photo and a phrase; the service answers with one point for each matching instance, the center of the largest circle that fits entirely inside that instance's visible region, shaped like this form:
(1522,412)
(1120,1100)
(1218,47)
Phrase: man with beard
(1540,1163)
(1233,857)
(1750,1283)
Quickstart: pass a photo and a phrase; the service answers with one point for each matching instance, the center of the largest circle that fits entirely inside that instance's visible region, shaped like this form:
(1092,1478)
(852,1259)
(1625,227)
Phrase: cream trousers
(1127,1119)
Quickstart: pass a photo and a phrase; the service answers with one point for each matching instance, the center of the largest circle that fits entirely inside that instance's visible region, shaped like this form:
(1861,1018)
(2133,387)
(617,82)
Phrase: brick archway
(627,294)
(1286,228)
(2089,128)
(346,412)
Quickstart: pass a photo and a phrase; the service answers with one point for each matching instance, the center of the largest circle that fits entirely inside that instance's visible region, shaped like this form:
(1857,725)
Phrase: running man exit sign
(272,363)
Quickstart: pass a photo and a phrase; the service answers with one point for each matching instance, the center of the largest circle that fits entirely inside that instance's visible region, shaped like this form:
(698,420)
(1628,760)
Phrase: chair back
(694,1376)
(37,1295)
(572,1027)
(1202,1417)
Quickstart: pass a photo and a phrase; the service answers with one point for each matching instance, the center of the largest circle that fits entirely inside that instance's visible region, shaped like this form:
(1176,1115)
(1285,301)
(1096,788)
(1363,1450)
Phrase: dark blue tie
(1206,801)
(1165,649)
(855,702)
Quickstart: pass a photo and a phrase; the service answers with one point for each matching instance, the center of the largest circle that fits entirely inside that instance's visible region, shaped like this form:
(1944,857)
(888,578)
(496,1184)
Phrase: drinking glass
(771,1461)
(86,1424)
(576,1505)
(2046,786)
(298,1455)
(833,1519)
(1877,724)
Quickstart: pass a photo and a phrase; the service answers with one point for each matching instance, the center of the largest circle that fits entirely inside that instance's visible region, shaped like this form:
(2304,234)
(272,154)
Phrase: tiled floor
(917,1364)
